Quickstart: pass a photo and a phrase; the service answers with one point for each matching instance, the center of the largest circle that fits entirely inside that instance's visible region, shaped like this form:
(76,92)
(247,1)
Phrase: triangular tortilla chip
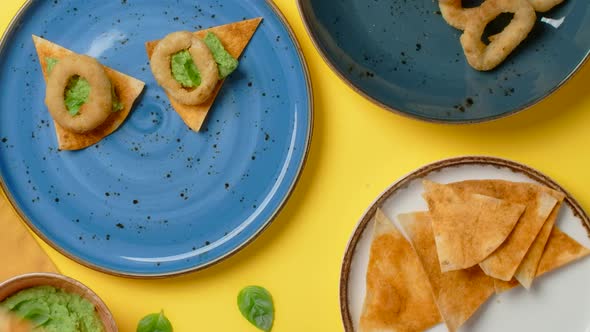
(539,201)
(234,37)
(525,274)
(560,250)
(468,229)
(127,88)
(458,294)
(398,297)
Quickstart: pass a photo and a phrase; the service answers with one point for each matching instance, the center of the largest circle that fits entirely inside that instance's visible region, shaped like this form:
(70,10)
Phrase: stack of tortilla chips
(478,238)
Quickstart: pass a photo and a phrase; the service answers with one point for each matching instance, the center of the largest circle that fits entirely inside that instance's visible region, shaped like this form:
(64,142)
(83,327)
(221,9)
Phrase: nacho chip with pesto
(127,90)
(234,38)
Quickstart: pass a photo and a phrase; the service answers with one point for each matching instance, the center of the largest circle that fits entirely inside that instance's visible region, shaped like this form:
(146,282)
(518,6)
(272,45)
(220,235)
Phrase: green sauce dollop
(186,72)
(53,310)
(78,91)
(226,63)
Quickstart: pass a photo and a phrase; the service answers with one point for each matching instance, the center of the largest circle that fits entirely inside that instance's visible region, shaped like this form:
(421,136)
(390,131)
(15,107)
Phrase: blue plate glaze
(154,198)
(403,55)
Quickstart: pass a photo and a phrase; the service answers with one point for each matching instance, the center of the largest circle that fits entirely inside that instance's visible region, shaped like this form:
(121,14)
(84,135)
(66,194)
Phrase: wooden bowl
(18,283)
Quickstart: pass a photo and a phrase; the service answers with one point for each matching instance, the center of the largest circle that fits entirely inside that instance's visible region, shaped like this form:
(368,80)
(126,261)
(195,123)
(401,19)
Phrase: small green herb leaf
(77,93)
(184,70)
(35,312)
(51,62)
(154,323)
(256,306)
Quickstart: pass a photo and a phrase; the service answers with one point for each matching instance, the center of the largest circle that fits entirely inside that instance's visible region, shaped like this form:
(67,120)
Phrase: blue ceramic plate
(154,198)
(403,55)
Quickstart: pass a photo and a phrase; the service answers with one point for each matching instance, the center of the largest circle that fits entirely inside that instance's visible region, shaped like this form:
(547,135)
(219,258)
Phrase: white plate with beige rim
(558,301)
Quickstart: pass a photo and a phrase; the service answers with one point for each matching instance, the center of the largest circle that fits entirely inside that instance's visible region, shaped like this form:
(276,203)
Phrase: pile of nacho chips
(478,238)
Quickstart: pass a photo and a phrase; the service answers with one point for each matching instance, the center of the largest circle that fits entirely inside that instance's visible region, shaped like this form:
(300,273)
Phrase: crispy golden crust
(540,202)
(127,89)
(501,286)
(399,296)
(203,59)
(454,13)
(559,251)
(525,274)
(100,101)
(235,37)
(458,294)
(544,5)
(457,16)
(486,57)
(468,229)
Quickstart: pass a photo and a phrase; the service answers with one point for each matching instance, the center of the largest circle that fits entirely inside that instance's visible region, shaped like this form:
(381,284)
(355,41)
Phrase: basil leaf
(154,323)
(256,306)
(35,312)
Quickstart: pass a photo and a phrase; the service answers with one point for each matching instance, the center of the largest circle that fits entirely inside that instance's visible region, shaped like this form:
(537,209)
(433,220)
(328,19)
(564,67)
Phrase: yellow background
(357,150)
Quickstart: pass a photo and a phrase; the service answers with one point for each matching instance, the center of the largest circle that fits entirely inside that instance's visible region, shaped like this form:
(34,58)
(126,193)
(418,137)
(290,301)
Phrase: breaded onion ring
(454,13)
(544,5)
(482,57)
(100,101)
(203,59)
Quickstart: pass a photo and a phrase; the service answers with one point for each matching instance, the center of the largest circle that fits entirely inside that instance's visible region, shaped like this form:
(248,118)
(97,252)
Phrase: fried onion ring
(486,57)
(544,5)
(454,13)
(203,59)
(100,101)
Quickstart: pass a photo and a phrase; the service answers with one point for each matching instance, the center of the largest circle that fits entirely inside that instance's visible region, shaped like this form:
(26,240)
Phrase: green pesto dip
(53,310)
(186,72)
(78,91)
(226,63)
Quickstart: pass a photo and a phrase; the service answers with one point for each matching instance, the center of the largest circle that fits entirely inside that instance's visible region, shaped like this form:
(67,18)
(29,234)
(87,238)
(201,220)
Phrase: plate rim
(421,172)
(314,39)
(9,31)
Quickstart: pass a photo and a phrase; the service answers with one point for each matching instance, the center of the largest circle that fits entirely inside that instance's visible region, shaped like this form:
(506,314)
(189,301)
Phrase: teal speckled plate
(403,56)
